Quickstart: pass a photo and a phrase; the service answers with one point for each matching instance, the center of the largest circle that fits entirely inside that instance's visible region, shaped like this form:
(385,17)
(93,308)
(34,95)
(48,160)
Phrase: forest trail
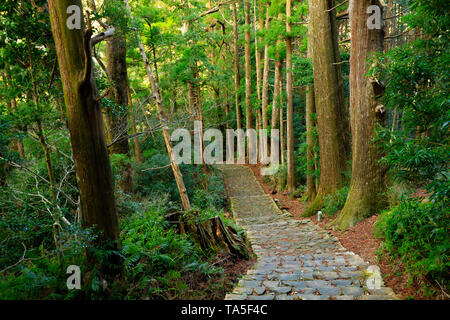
(296,260)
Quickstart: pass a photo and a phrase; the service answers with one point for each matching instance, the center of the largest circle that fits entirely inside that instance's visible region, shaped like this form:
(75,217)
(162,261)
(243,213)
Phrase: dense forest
(348,100)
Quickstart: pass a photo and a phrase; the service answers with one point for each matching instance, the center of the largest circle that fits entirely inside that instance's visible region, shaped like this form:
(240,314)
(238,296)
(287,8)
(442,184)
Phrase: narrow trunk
(258,53)
(332,122)
(276,95)
(290,111)
(365,196)
(117,118)
(248,74)
(164,123)
(310,137)
(265,87)
(237,77)
(194,98)
(388,25)
(282,123)
(87,137)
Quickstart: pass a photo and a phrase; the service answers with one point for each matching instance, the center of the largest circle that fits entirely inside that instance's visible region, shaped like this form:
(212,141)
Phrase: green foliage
(416,77)
(418,233)
(152,247)
(333,203)
(34,267)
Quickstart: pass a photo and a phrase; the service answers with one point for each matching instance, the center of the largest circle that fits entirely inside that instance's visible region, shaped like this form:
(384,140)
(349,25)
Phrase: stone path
(296,260)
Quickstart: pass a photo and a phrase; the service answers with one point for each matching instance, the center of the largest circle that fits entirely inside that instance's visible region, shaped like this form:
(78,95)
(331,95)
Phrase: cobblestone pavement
(296,260)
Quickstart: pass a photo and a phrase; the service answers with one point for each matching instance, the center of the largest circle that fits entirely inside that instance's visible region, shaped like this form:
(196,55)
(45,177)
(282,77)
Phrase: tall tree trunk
(266,73)
(237,77)
(277,88)
(117,118)
(365,196)
(388,25)
(195,104)
(276,95)
(332,122)
(310,136)
(163,120)
(282,122)
(258,53)
(290,110)
(85,121)
(248,75)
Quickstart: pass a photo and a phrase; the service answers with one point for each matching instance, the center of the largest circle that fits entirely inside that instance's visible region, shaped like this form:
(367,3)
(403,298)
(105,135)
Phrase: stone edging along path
(296,260)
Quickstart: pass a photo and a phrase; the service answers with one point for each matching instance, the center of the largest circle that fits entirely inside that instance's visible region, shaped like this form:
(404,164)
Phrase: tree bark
(282,122)
(85,121)
(276,95)
(248,74)
(290,110)
(237,77)
(310,136)
(365,196)
(258,52)
(265,87)
(117,119)
(332,119)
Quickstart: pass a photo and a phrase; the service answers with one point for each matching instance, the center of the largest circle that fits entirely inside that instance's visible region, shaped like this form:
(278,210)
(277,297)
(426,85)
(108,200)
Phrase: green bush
(418,234)
(156,256)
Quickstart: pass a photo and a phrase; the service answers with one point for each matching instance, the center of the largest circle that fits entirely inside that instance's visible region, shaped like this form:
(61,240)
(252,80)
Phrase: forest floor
(296,260)
(215,288)
(358,239)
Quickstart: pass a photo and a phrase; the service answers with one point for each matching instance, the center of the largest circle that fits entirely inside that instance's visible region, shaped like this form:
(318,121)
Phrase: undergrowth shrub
(418,233)
(333,203)
(156,256)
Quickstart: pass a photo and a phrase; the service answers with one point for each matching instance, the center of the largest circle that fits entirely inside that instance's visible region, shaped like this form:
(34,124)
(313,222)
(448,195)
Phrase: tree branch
(102,36)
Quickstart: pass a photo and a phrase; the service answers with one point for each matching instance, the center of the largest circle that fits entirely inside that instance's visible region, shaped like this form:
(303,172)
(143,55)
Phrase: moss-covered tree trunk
(332,121)
(85,121)
(117,116)
(367,183)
